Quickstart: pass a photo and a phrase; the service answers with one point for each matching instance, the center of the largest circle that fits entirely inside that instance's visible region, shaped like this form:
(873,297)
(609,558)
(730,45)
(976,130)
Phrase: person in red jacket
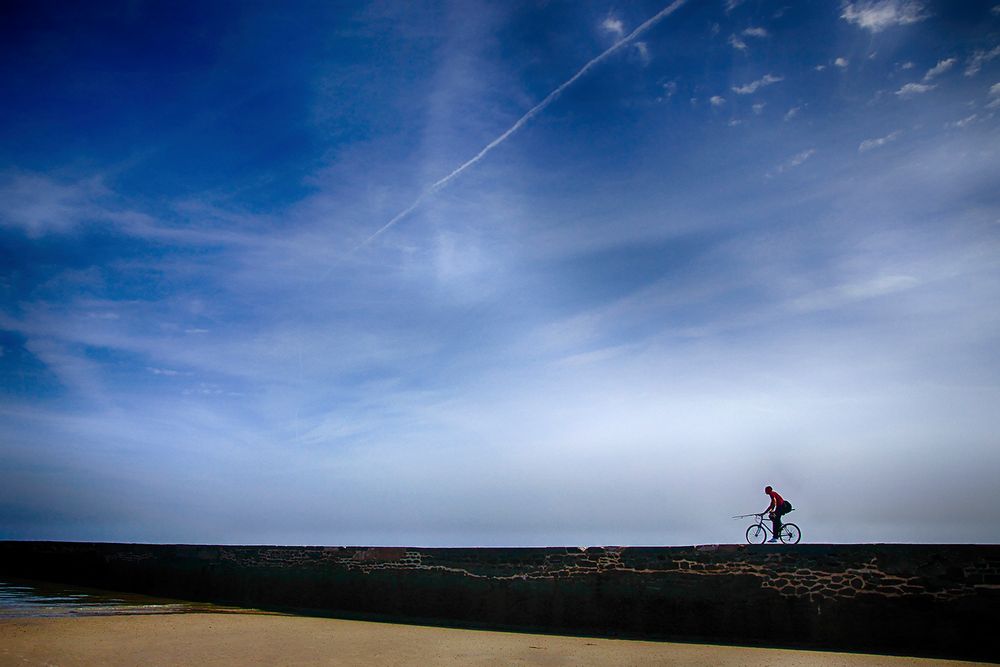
(777,507)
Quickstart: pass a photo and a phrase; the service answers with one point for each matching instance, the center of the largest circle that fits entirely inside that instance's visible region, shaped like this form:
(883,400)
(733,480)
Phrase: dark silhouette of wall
(938,600)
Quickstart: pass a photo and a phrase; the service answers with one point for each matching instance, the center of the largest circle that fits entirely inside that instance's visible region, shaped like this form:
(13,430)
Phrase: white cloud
(869,144)
(717,101)
(643,50)
(669,90)
(911,89)
(163,371)
(840,295)
(759,108)
(737,43)
(792,162)
(963,122)
(799,158)
(792,113)
(733,4)
(753,86)
(995,10)
(445,180)
(939,69)
(995,94)
(756,32)
(980,58)
(877,15)
(703,392)
(819,68)
(907,65)
(614,26)
(39,205)
(840,62)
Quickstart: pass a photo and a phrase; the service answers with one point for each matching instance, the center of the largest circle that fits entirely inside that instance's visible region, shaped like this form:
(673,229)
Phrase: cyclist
(777,507)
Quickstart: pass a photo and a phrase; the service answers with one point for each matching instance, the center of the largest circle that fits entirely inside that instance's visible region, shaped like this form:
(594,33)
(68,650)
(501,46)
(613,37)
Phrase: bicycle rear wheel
(756,534)
(789,533)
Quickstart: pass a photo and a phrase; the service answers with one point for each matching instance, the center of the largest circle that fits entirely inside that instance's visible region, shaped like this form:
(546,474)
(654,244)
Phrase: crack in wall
(787,572)
(814,583)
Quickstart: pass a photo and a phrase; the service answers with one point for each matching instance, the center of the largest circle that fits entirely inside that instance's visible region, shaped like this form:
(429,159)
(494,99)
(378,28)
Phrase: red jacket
(776,499)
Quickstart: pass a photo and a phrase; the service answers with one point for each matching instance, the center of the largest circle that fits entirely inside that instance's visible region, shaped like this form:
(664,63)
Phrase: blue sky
(531,273)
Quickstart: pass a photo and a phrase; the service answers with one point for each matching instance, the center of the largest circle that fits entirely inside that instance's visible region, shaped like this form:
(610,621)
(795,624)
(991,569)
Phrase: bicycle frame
(767,529)
(758,533)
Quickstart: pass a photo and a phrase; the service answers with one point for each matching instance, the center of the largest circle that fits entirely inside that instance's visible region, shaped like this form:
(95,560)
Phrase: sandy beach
(269,639)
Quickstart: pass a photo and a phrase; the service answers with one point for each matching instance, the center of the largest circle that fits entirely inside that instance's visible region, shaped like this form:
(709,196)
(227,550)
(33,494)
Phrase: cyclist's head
(767,489)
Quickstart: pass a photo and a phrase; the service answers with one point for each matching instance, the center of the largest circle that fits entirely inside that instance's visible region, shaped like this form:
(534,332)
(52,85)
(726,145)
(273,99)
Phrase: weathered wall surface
(909,599)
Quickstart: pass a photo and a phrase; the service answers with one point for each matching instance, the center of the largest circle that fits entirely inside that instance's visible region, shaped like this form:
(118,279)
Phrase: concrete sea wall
(938,600)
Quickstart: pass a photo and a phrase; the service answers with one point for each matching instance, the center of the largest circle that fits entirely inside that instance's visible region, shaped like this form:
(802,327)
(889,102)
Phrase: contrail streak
(534,111)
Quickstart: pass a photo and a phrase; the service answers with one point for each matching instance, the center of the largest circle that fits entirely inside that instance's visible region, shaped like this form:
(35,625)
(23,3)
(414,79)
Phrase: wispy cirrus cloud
(839,295)
(792,113)
(994,93)
(39,205)
(737,41)
(939,69)
(913,89)
(963,122)
(980,58)
(642,49)
(869,144)
(465,357)
(531,113)
(613,25)
(799,158)
(878,15)
(791,163)
(754,86)
(169,372)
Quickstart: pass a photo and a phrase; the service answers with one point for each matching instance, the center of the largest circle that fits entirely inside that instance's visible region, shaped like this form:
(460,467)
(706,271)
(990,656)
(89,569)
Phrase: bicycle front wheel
(756,534)
(790,533)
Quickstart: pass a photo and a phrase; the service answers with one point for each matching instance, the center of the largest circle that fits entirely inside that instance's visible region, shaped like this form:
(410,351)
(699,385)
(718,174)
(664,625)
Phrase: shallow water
(20,598)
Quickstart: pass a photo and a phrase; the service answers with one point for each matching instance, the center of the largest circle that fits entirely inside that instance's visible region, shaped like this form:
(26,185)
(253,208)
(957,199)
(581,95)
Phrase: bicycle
(758,532)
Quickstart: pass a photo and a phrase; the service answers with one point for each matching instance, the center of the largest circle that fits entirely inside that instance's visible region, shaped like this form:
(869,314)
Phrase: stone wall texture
(933,600)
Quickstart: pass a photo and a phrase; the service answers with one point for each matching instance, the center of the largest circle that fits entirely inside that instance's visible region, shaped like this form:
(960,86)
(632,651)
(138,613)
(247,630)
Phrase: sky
(499,274)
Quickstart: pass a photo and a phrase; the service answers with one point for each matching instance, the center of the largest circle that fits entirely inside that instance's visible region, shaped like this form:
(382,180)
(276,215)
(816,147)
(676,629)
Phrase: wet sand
(272,639)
